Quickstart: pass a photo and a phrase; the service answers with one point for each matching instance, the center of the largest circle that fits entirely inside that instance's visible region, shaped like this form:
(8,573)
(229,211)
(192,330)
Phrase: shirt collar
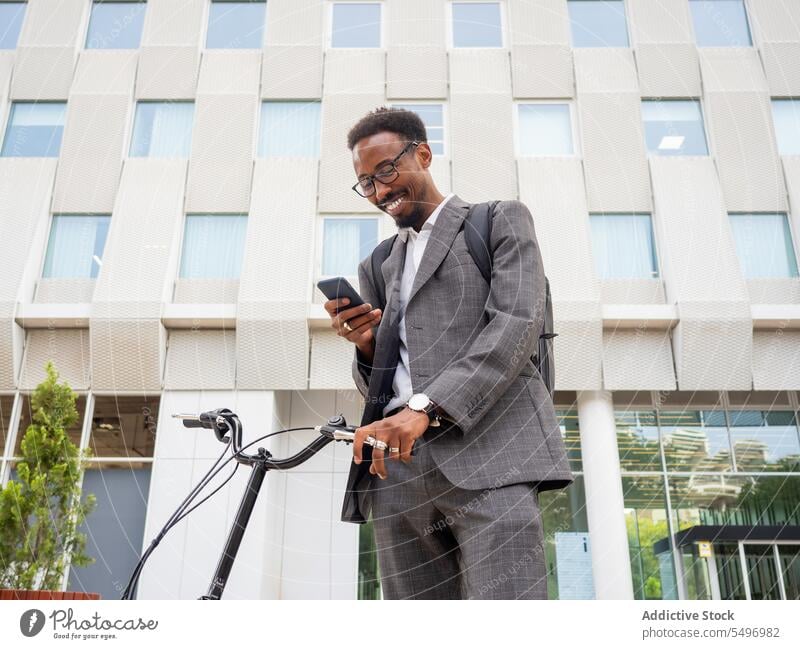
(404,233)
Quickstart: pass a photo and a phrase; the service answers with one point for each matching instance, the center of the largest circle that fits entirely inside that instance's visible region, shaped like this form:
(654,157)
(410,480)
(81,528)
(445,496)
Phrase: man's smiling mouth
(393,206)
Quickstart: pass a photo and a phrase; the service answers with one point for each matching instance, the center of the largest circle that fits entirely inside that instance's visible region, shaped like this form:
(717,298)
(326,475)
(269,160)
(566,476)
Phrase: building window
(695,440)
(477,24)
(674,127)
(213,245)
(720,23)
(34,130)
(765,441)
(764,245)
(356,24)
(11,15)
(162,129)
(623,246)
(598,23)
(345,242)
(115,25)
(786,115)
(75,247)
(122,441)
(236,25)
(289,128)
(545,129)
(433,117)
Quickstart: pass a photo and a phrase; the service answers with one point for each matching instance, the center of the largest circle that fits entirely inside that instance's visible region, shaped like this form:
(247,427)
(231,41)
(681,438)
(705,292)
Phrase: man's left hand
(398,431)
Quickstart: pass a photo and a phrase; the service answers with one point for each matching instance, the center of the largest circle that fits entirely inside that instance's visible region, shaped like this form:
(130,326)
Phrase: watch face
(418,401)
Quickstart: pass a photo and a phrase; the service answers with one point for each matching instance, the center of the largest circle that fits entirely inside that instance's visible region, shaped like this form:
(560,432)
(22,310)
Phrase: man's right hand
(361,320)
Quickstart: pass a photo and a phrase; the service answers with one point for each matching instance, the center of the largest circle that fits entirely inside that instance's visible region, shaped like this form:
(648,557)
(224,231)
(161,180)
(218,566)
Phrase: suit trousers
(436,540)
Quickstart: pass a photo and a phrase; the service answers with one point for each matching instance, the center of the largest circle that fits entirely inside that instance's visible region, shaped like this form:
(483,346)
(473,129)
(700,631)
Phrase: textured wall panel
(336,175)
(201,360)
(25,192)
(552,189)
(67,348)
(697,253)
(668,70)
(53,22)
(775,21)
(774,290)
(167,72)
(537,22)
(274,288)
(729,69)
(205,291)
(712,344)
(542,71)
(665,21)
(229,72)
(614,157)
(416,72)
(776,360)
(474,71)
(740,129)
(139,264)
(174,22)
(105,71)
(637,360)
(91,154)
(60,290)
(605,70)
(415,22)
(331,360)
(291,72)
(632,291)
(578,348)
(780,65)
(221,162)
(295,22)
(712,341)
(6,66)
(43,73)
(791,171)
(482,147)
(352,71)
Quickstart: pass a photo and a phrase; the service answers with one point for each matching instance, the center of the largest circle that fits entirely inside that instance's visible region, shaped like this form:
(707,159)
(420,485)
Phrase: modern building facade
(174,179)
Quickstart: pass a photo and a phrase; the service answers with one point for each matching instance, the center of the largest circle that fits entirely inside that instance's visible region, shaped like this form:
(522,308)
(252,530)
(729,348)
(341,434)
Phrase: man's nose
(382,191)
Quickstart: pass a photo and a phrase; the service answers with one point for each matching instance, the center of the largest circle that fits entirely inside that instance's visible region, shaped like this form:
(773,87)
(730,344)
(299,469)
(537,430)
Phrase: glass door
(762,570)
(789,559)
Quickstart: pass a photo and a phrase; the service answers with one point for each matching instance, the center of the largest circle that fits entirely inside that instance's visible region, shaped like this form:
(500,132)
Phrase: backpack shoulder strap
(478,233)
(379,255)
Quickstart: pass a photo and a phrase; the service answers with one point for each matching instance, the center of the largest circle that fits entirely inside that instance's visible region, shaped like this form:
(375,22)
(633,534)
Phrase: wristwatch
(420,402)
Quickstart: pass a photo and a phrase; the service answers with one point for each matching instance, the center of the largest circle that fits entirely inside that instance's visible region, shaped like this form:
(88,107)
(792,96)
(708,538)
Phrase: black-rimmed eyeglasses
(385,174)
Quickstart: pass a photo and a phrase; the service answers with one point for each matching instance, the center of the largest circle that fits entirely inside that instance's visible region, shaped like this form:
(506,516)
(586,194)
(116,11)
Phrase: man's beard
(411,219)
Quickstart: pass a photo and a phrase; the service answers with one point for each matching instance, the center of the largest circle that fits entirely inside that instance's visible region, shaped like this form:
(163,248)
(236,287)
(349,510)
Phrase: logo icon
(31,622)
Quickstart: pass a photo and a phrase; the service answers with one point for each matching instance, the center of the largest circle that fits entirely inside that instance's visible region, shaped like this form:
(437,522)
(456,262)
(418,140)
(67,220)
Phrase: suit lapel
(447,225)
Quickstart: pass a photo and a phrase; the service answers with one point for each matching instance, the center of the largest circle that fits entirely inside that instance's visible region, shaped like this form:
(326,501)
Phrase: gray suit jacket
(469,350)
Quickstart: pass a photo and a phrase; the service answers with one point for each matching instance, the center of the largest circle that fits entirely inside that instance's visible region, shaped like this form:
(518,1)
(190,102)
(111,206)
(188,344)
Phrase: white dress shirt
(415,248)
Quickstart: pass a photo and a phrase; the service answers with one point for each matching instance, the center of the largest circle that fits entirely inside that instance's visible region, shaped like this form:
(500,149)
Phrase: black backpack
(477,237)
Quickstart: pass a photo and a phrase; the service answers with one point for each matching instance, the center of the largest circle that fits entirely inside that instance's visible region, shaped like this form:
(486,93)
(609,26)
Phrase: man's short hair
(405,123)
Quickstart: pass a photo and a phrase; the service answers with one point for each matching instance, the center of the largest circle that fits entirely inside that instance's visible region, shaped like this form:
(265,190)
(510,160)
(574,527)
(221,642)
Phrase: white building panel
(415,22)
(668,70)
(482,147)
(776,360)
(174,22)
(53,22)
(536,22)
(783,75)
(26,185)
(665,21)
(291,72)
(355,71)
(201,360)
(542,71)
(68,349)
(578,347)
(167,72)
(637,360)
(331,359)
(740,129)
(43,73)
(293,22)
(731,69)
(605,70)
(474,71)
(416,72)
(775,21)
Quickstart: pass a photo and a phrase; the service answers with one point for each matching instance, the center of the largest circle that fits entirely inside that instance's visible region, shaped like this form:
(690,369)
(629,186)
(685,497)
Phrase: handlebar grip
(194,423)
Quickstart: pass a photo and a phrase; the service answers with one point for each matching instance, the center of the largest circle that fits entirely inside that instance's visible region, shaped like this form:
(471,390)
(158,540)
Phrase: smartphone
(335,288)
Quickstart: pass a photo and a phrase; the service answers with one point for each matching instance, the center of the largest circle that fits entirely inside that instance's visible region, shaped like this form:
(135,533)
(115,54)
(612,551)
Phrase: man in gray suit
(446,369)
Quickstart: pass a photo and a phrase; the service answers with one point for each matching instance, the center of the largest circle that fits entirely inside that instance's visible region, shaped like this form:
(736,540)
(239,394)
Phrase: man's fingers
(348,314)
(405,450)
(358,443)
(377,463)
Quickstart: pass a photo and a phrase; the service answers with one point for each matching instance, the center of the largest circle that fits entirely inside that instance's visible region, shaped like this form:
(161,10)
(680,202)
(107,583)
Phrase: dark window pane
(637,441)
(124,426)
(692,443)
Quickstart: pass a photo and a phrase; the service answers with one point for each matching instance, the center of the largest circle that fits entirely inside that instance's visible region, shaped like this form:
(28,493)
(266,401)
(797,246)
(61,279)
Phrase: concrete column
(604,502)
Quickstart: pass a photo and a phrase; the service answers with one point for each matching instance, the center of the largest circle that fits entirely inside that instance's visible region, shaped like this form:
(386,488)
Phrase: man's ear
(424,155)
